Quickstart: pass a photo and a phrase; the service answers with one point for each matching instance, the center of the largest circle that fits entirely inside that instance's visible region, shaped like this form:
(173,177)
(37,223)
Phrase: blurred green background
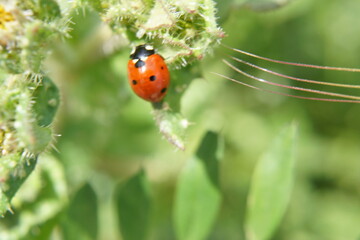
(108,134)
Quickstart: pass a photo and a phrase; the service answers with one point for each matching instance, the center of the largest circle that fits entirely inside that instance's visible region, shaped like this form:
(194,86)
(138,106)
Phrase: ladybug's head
(142,51)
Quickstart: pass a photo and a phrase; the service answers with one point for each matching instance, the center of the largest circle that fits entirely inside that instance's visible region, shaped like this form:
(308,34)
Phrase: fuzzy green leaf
(49,9)
(95,4)
(14,181)
(271,187)
(172,125)
(19,175)
(197,197)
(39,203)
(134,206)
(4,203)
(33,137)
(46,102)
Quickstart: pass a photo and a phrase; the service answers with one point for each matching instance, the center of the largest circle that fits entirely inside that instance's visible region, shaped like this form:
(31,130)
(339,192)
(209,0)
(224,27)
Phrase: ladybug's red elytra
(148,74)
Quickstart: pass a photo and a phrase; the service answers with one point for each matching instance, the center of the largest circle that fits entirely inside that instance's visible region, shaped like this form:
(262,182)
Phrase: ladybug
(148,74)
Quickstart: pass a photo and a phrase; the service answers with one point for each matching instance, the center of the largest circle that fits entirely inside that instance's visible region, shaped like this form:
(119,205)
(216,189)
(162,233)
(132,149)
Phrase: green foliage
(47,101)
(210,152)
(86,183)
(27,109)
(81,217)
(184,31)
(134,206)
(15,179)
(32,219)
(197,198)
(172,126)
(271,187)
(196,204)
(29,36)
(24,134)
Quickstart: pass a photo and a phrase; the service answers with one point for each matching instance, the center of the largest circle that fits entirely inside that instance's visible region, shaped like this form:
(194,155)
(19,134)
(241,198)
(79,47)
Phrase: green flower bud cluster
(184,31)
(28,98)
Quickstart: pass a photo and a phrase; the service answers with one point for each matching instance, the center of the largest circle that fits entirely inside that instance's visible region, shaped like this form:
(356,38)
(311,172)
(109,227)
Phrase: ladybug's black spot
(139,64)
(163,90)
(152,78)
(134,82)
(162,67)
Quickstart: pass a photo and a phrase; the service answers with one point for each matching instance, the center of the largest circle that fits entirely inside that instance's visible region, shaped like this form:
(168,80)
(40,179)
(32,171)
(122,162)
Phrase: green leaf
(16,178)
(32,136)
(19,175)
(39,203)
(82,215)
(95,4)
(197,199)
(210,152)
(133,203)
(224,7)
(87,20)
(271,187)
(180,81)
(4,203)
(172,125)
(49,9)
(46,101)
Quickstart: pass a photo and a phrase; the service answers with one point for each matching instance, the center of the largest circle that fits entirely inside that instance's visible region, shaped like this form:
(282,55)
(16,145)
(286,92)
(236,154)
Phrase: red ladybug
(148,74)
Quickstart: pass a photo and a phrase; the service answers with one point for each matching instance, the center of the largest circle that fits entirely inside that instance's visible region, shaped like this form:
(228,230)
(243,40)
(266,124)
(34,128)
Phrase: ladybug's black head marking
(142,51)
